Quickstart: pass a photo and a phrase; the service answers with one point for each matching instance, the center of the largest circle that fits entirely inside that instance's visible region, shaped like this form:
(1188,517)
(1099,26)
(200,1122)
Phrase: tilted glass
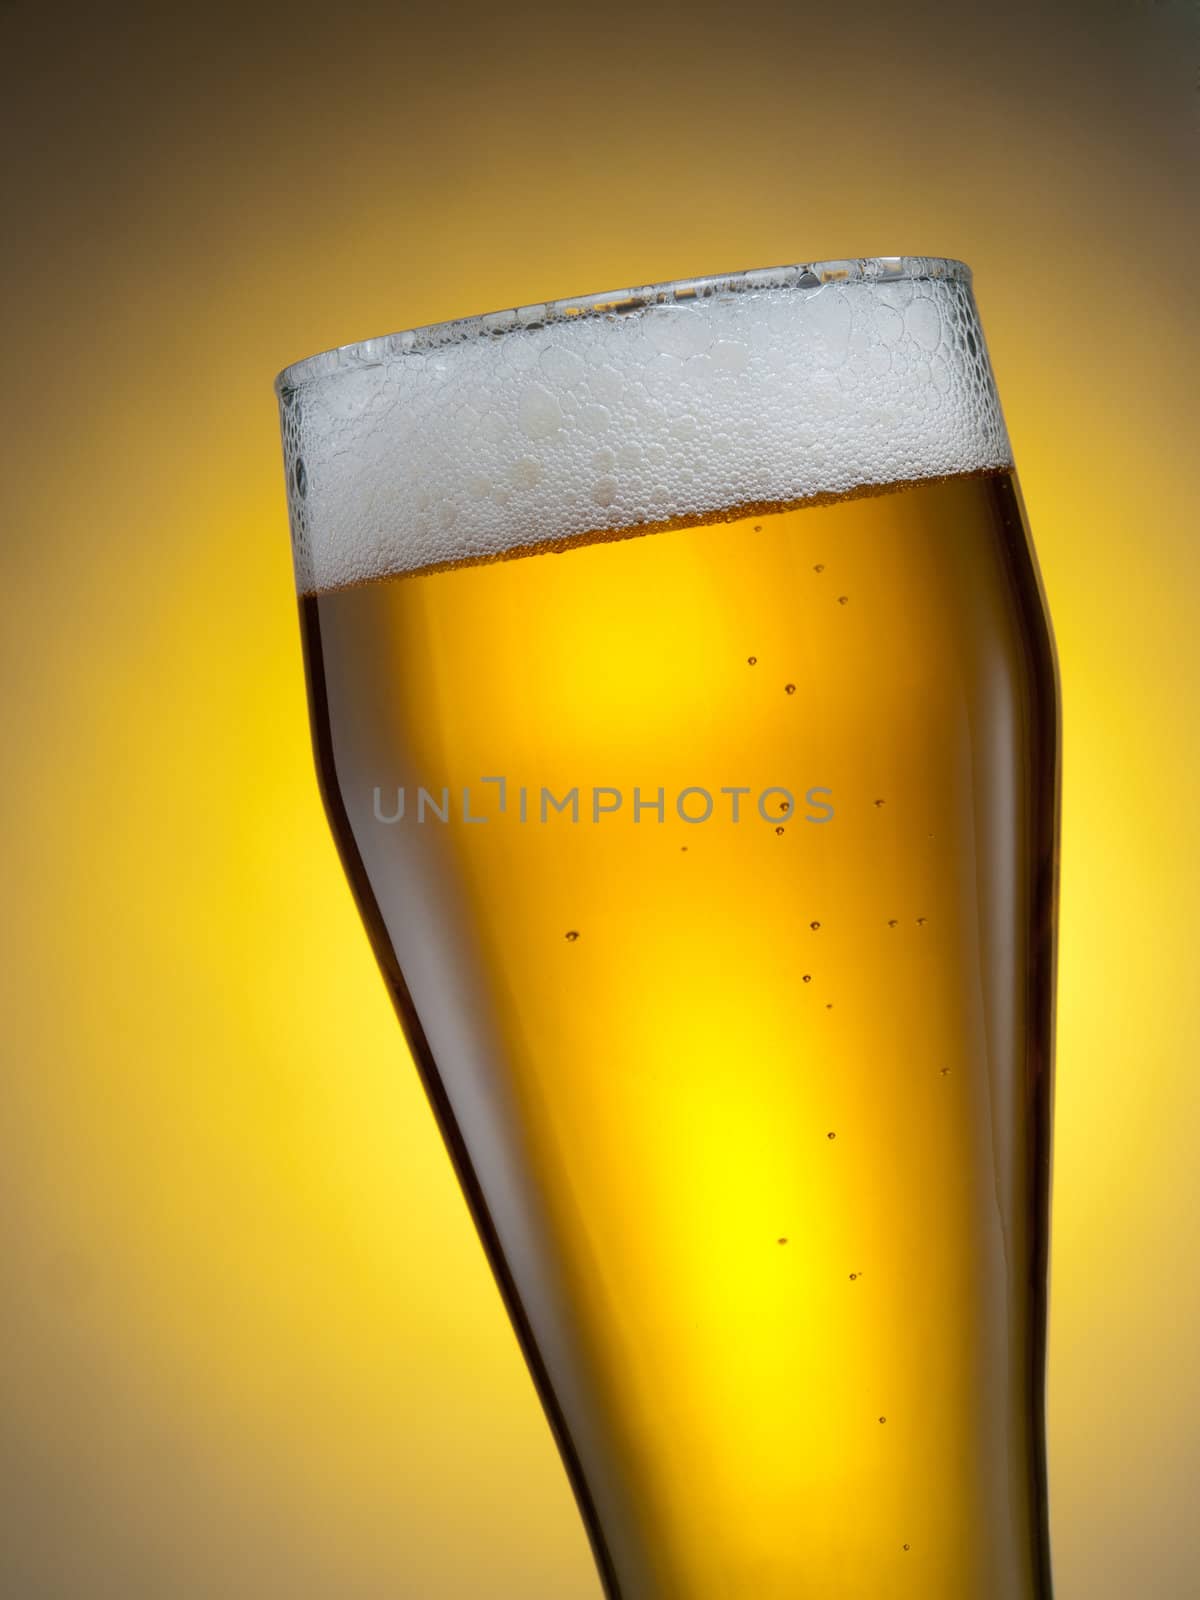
(686,714)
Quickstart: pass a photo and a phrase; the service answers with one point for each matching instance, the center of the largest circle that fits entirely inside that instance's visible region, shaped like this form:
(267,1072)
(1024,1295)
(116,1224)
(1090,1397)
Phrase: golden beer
(711,863)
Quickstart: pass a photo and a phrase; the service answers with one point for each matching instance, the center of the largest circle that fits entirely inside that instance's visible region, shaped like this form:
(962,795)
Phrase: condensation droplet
(572,935)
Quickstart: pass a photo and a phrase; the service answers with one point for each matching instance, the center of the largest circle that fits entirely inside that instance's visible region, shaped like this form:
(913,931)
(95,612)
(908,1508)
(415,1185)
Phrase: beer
(710,860)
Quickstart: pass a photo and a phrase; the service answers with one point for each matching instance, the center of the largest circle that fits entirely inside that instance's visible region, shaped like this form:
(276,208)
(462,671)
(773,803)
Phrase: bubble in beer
(781,1241)
(820,567)
(539,412)
(525,473)
(814,926)
(789,688)
(751,661)
(892,923)
(907,1547)
(854,1277)
(921,922)
(779,830)
(843,599)
(562,365)
(879,803)
(831,1135)
(785,805)
(943,1072)
(807,978)
(883,1419)
(572,935)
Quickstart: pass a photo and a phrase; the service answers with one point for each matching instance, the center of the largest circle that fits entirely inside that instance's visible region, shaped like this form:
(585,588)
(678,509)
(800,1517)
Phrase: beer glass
(685,711)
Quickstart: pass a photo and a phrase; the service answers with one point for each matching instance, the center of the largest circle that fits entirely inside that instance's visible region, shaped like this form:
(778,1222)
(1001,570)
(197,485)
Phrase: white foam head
(469,439)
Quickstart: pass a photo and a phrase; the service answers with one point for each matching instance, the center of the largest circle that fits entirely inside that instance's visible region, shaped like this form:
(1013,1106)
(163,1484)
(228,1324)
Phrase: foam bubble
(470,439)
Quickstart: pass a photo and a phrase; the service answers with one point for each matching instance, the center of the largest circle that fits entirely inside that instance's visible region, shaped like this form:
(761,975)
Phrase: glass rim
(375,352)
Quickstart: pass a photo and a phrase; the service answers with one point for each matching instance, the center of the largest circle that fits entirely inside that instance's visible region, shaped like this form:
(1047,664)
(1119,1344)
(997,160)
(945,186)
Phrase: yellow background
(249,1347)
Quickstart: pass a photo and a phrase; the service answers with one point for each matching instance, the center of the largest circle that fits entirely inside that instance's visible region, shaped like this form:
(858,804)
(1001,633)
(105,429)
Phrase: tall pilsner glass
(686,714)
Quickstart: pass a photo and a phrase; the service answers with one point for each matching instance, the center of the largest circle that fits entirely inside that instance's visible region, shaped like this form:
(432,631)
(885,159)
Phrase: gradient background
(249,1347)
